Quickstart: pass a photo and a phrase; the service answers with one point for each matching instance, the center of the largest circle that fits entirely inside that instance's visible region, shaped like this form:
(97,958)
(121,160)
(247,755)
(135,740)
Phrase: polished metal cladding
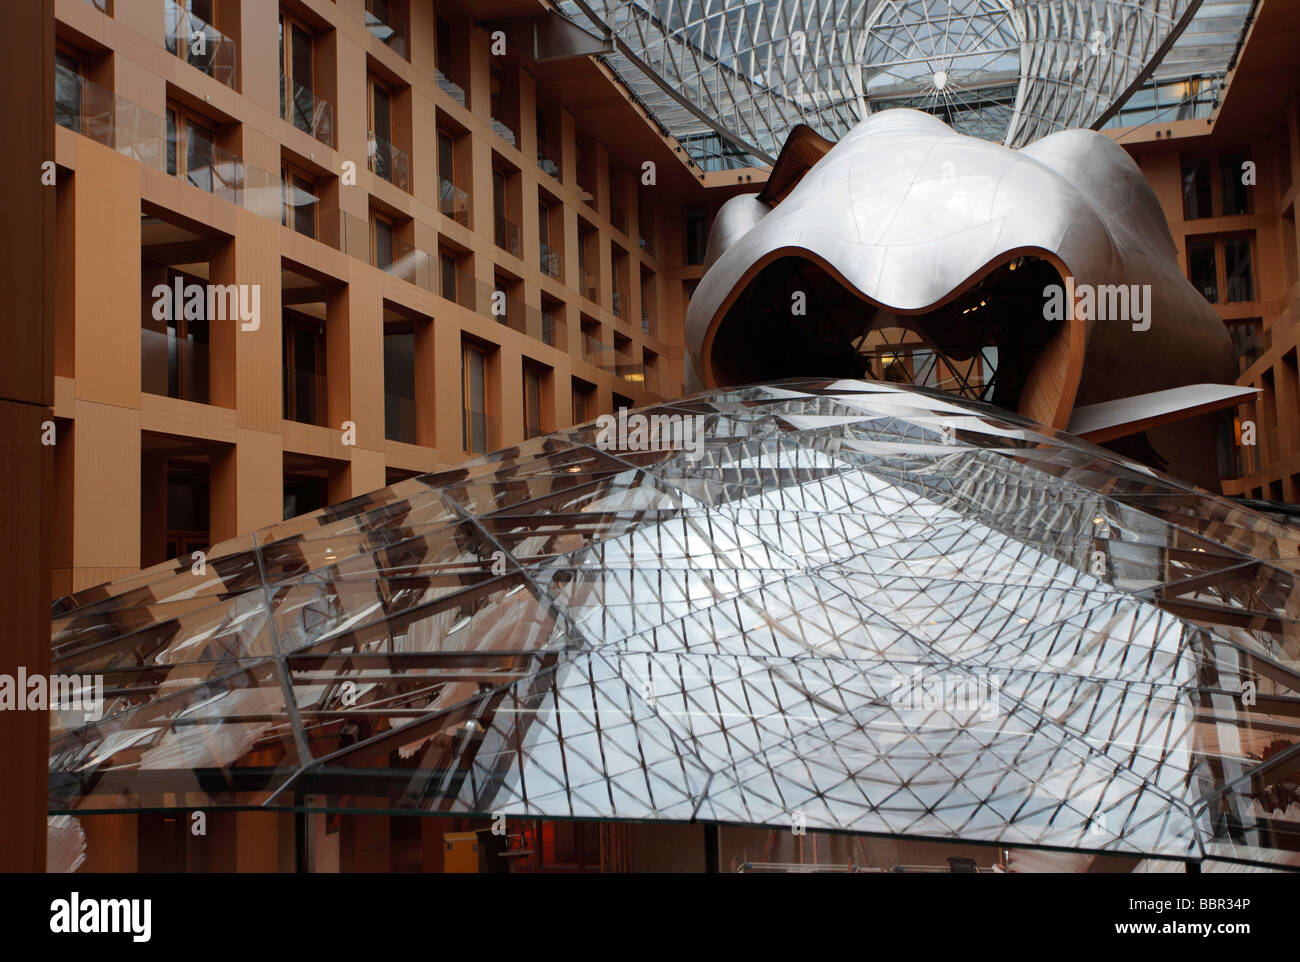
(907,214)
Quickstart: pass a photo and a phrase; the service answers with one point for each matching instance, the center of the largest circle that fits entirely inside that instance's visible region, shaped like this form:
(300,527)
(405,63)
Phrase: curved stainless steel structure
(905,239)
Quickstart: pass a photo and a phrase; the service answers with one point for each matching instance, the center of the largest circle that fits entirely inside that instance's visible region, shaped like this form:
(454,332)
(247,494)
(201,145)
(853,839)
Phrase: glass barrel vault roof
(731,78)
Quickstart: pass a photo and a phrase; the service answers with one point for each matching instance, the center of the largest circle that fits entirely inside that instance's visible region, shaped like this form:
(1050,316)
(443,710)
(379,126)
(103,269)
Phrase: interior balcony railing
(594,350)
(412,265)
(306,111)
(507,235)
(174,366)
(449,85)
(389,162)
(552,265)
(647,322)
(553,330)
(630,370)
(619,302)
(89,109)
(619,363)
(548,158)
(586,183)
(464,289)
(199,43)
(454,202)
(386,26)
(505,123)
(536,323)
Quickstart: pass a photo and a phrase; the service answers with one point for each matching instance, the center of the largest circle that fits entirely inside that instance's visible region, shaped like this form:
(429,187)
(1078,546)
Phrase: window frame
(469,348)
(290,21)
(177,153)
(534,377)
(377,218)
(294,321)
(290,176)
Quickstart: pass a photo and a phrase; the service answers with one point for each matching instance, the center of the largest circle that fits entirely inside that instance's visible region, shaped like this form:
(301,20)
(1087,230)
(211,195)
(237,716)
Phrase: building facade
(448,250)
(1228,187)
(410,250)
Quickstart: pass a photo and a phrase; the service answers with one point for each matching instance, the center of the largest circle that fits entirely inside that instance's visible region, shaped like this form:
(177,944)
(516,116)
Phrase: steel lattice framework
(732,77)
(570,629)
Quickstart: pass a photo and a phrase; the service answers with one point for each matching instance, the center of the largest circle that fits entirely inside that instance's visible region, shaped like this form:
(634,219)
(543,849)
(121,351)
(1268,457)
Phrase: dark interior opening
(981,345)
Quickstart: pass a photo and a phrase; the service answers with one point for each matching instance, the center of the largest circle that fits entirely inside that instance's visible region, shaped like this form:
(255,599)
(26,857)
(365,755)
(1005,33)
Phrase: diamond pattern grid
(732,78)
(560,630)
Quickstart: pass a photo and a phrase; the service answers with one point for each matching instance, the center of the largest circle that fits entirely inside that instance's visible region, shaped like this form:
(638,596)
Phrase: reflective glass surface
(872,607)
(731,78)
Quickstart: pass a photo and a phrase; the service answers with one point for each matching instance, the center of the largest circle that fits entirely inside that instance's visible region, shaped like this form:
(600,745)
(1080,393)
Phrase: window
(1202,270)
(182,338)
(444,46)
(298,192)
(474,388)
(381,111)
(190,32)
(588,260)
(497,90)
(448,264)
(303,494)
(453,201)
(583,402)
(507,231)
(549,256)
(1236,195)
(190,148)
(1237,263)
(386,20)
(381,252)
(297,74)
(532,403)
(1290,251)
(1197,199)
(382,157)
(188,505)
(499,202)
(304,368)
(548,155)
(399,382)
(551,327)
(697,235)
(1237,280)
(446,157)
(67,90)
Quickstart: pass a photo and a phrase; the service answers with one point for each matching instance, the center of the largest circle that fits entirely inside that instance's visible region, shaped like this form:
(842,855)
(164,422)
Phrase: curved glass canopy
(731,78)
(871,608)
